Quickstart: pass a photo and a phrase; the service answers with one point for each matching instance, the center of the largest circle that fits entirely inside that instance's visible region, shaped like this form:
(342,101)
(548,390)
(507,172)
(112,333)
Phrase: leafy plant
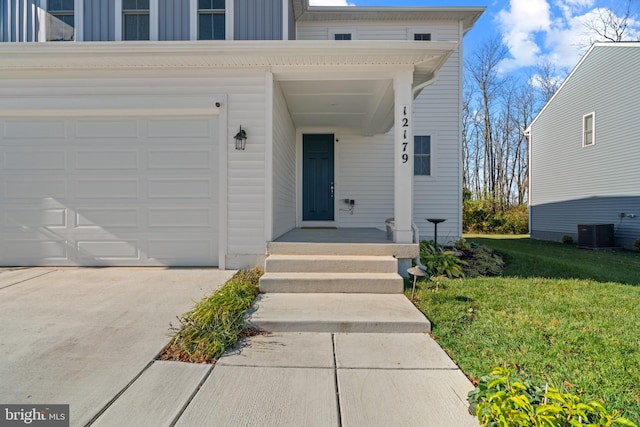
(504,398)
(567,240)
(216,323)
(440,263)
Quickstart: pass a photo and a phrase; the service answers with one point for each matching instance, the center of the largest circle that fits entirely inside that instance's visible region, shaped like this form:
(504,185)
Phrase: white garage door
(128,191)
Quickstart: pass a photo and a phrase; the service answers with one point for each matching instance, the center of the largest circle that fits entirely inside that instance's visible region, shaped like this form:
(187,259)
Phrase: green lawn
(571,316)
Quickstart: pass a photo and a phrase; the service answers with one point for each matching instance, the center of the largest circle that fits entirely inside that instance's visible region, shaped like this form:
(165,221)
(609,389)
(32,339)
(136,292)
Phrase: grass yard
(568,315)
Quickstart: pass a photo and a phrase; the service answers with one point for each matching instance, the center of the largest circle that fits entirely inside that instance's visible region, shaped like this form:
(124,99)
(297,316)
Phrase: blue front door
(317,178)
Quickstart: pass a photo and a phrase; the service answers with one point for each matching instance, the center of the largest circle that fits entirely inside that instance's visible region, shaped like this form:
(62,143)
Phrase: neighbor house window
(60,20)
(135,19)
(588,130)
(422,36)
(342,36)
(422,155)
(211,20)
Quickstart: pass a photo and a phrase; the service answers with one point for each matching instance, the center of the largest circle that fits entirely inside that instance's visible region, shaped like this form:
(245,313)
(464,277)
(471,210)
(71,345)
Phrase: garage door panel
(35,187)
(16,160)
(107,192)
(179,159)
(102,159)
(36,251)
(95,217)
(22,218)
(164,217)
(87,129)
(181,248)
(109,249)
(180,188)
(106,188)
(28,129)
(179,128)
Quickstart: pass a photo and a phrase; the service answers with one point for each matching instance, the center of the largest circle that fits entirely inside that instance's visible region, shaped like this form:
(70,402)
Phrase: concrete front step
(331,264)
(370,283)
(288,312)
(397,250)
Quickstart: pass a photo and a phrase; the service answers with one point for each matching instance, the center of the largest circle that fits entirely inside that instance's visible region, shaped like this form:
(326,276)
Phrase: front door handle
(332,190)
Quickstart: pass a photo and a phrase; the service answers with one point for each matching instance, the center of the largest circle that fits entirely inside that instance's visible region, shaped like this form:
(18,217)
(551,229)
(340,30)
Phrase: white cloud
(534,31)
(330,3)
(520,24)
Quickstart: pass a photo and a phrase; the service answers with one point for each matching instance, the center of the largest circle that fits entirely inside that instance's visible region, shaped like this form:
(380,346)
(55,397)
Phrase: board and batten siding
(245,91)
(284,166)
(173,20)
(257,20)
(572,184)
(20,20)
(99,20)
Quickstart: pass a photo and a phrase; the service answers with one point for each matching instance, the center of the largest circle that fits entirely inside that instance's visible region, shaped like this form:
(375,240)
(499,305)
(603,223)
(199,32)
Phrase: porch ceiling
(341,104)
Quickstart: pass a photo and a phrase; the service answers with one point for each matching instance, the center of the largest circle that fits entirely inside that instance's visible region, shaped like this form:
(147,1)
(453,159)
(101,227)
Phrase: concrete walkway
(89,337)
(304,379)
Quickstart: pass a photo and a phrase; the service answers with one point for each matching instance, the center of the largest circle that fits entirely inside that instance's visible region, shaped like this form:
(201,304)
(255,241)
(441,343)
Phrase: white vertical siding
(572,183)
(284,166)
(364,173)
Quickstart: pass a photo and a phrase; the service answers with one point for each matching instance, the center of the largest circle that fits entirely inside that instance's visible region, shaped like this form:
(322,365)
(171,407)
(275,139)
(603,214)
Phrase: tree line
(497,109)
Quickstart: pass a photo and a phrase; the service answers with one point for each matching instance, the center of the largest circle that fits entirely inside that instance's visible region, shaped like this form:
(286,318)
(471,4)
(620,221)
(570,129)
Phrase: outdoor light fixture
(241,139)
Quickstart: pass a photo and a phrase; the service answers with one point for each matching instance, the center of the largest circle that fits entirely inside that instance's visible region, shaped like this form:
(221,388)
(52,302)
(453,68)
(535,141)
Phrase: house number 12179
(405,137)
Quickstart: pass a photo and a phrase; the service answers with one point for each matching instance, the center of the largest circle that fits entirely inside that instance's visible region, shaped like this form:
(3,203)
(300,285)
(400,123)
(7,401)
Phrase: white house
(118,117)
(584,150)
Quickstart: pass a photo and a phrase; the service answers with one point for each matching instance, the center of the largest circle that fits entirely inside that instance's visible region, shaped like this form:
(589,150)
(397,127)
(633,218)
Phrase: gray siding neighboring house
(575,183)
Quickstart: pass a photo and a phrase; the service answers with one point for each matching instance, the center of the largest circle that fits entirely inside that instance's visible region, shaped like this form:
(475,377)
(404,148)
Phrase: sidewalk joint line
(26,280)
(117,396)
(335,378)
(193,395)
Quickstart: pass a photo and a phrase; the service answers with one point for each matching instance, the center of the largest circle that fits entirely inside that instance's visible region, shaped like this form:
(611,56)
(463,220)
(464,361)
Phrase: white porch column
(403,165)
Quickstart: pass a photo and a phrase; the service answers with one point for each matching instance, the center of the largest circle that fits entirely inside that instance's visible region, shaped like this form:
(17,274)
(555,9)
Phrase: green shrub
(216,323)
(503,398)
(440,263)
(484,216)
(567,240)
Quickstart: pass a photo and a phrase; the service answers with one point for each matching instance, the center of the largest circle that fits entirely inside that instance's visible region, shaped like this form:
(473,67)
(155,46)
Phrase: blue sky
(534,30)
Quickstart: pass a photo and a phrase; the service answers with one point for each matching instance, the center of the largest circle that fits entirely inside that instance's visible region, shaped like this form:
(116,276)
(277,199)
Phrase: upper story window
(60,20)
(211,20)
(342,36)
(135,19)
(422,36)
(588,129)
(422,155)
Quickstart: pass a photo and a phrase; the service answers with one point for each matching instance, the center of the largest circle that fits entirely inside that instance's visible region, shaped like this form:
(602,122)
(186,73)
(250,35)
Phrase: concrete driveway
(78,336)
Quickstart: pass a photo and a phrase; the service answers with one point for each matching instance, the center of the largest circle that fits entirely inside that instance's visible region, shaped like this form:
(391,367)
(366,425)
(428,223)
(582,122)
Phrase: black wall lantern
(241,139)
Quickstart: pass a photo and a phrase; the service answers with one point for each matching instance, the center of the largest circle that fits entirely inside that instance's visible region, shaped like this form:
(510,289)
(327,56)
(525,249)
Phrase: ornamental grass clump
(216,323)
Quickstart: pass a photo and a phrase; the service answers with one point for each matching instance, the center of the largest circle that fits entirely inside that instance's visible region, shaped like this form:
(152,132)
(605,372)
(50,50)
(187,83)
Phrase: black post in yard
(435,222)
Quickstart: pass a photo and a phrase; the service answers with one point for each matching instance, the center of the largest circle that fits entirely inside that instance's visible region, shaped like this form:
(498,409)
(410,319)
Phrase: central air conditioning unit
(595,236)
